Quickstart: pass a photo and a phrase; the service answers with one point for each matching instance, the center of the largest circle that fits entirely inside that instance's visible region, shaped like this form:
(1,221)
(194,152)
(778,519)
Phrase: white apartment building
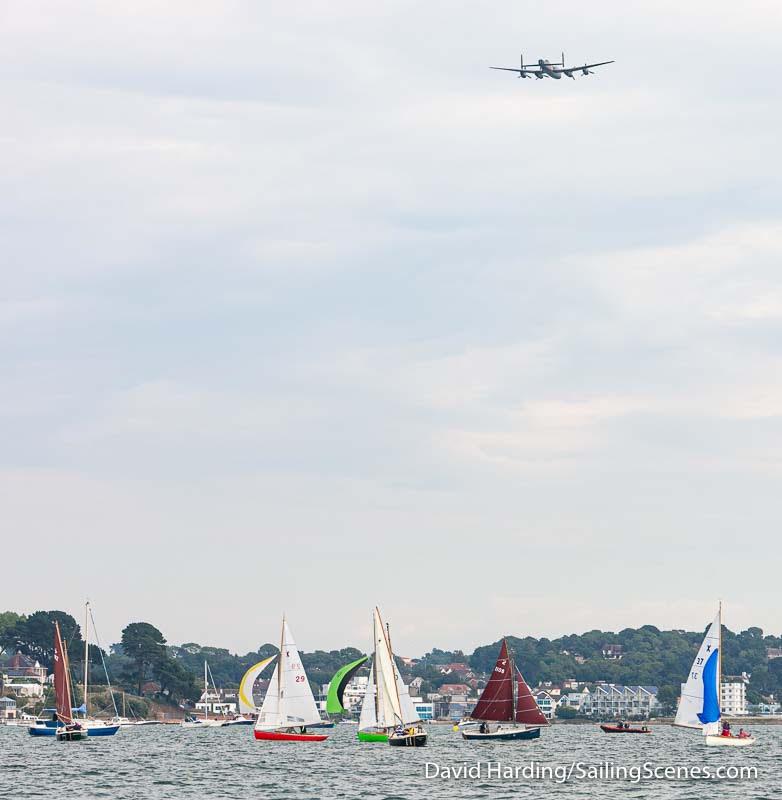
(614,701)
(733,696)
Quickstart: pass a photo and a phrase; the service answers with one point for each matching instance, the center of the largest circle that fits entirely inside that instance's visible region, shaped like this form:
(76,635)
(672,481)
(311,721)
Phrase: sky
(303,309)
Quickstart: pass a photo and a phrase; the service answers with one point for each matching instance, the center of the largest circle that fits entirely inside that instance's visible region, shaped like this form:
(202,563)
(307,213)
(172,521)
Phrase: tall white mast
(280,670)
(206,694)
(719,665)
(86,651)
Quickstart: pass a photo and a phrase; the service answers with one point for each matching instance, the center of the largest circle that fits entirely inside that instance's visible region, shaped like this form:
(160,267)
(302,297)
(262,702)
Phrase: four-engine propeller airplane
(547,69)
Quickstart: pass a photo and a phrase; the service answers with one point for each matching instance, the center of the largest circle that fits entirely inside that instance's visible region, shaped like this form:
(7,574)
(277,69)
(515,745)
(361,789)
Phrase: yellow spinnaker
(246,702)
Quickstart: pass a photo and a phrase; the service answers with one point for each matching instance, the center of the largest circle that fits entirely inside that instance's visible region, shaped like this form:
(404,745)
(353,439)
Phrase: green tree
(146,645)
(34,635)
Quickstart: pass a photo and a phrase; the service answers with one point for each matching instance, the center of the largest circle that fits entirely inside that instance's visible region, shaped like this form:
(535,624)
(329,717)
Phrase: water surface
(169,763)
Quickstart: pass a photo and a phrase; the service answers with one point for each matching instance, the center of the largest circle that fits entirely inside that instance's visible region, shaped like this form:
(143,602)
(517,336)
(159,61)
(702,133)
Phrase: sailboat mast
(206,694)
(514,688)
(86,651)
(280,669)
(374,668)
(719,663)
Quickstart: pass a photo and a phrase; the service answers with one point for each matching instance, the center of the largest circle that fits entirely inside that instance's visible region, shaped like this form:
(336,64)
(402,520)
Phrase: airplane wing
(525,71)
(588,66)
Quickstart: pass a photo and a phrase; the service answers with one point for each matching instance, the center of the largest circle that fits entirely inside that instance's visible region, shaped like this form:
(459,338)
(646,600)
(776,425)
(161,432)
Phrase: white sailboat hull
(729,741)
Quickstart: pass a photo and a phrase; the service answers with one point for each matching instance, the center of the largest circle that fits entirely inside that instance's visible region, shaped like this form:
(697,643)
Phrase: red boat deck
(274,736)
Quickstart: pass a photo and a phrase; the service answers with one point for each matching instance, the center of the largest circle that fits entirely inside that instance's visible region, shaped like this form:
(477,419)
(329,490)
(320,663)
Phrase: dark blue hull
(502,736)
(51,730)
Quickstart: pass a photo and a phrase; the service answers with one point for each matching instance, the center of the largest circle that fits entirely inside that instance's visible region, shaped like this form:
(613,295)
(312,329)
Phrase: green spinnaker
(338,683)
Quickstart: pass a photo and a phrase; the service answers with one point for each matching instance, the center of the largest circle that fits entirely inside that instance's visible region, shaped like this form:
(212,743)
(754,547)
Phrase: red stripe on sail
(527,710)
(496,701)
(62,684)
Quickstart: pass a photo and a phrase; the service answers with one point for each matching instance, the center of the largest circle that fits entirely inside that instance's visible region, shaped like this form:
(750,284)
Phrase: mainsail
(389,709)
(62,678)
(699,706)
(289,701)
(496,700)
(246,701)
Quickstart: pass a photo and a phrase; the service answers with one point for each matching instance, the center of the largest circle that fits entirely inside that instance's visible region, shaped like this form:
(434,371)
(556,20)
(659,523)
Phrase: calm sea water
(162,762)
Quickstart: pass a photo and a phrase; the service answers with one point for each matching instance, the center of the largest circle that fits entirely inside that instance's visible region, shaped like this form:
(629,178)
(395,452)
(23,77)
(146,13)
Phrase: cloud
(316,274)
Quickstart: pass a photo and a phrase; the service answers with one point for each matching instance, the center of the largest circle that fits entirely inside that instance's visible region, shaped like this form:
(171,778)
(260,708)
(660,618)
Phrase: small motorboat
(240,720)
(623,727)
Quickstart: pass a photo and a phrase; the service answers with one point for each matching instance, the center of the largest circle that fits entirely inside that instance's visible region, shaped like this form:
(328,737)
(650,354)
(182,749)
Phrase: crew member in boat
(726,729)
(743,734)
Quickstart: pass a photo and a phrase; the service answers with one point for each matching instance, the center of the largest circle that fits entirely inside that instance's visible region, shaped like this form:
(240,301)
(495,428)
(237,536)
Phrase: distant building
(613,652)
(459,669)
(424,710)
(454,689)
(574,700)
(354,693)
(773,652)
(546,703)
(7,708)
(23,676)
(22,666)
(615,701)
(215,703)
(733,695)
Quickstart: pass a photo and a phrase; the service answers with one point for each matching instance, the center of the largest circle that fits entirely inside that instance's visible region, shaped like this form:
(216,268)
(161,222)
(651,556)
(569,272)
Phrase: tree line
(143,662)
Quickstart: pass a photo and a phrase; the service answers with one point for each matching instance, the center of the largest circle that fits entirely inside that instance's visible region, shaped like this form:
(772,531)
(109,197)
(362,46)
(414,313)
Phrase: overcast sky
(303,308)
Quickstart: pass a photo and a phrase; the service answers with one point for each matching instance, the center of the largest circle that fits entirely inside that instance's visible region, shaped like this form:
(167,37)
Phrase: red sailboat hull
(275,736)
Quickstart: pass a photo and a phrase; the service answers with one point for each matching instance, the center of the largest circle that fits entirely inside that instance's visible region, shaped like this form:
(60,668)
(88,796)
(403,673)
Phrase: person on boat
(743,734)
(726,729)
(484,728)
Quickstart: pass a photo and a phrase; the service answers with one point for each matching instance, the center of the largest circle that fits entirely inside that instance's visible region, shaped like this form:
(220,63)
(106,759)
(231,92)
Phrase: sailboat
(506,709)
(69,730)
(699,705)
(204,722)
(387,712)
(289,706)
(96,727)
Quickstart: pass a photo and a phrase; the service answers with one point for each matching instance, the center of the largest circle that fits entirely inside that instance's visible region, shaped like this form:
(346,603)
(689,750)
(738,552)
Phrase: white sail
(246,701)
(409,714)
(699,703)
(269,716)
(289,701)
(389,711)
(368,719)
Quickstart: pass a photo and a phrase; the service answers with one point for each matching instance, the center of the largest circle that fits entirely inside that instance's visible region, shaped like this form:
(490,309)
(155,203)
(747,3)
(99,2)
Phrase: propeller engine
(586,71)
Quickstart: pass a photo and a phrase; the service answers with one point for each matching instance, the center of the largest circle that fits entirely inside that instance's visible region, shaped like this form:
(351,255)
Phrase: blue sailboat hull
(51,730)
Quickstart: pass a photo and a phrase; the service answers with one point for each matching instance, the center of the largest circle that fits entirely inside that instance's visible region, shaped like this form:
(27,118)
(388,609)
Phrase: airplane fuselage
(547,69)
